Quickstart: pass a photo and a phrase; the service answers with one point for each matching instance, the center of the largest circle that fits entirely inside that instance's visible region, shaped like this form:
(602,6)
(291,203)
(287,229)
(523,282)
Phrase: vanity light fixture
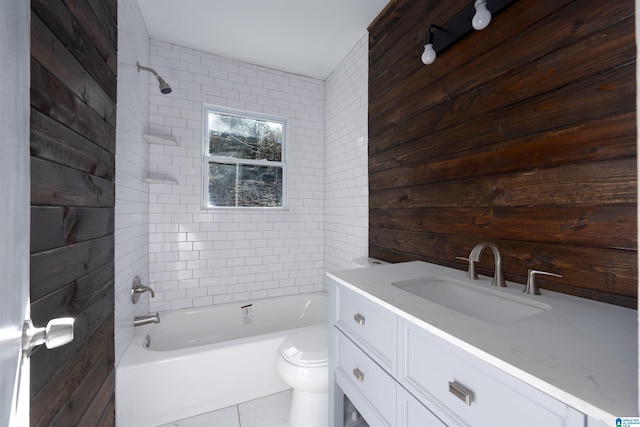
(476,16)
(429,54)
(482,17)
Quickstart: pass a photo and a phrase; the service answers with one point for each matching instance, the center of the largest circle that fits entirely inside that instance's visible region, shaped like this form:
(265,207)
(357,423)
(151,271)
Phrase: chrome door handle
(58,332)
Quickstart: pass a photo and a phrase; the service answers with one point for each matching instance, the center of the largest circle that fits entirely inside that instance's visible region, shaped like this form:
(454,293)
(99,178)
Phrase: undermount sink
(489,305)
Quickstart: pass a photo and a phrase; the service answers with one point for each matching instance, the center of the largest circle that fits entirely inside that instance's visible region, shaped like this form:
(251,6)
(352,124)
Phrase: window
(243,160)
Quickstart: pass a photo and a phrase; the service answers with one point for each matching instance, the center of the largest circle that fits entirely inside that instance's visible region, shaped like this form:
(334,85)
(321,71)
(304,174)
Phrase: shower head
(164,86)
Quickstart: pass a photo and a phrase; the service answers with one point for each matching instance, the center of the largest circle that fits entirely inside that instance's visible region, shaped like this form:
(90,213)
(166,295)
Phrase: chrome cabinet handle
(359,319)
(461,392)
(358,374)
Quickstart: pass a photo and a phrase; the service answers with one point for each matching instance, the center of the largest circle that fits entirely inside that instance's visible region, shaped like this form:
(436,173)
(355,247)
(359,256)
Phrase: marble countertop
(581,352)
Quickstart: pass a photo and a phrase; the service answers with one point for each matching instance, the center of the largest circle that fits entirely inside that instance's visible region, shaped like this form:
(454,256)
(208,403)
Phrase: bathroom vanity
(479,356)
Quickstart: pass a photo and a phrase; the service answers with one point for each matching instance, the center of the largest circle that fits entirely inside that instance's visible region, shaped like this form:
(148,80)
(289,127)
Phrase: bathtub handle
(137,289)
(359,319)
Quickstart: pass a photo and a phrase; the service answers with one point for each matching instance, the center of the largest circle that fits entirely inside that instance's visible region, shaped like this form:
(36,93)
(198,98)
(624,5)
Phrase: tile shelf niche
(160,140)
(158,178)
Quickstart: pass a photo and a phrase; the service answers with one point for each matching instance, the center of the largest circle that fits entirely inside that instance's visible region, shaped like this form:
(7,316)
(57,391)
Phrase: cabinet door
(411,413)
(368,386)
(457,385)
(371,326)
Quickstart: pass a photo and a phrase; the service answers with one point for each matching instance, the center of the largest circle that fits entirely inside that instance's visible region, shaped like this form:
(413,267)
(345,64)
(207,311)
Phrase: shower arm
(165,88)
(151,70)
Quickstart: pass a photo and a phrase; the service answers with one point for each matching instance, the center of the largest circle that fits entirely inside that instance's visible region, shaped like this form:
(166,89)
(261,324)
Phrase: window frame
(207,159)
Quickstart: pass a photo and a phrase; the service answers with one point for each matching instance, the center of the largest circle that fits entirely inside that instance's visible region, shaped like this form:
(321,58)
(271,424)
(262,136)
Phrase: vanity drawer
(459,386)
(359,376)
(369,325)
(412,413)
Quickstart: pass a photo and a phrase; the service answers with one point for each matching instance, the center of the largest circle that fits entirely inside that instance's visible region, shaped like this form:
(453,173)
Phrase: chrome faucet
(144,320)
(474,256)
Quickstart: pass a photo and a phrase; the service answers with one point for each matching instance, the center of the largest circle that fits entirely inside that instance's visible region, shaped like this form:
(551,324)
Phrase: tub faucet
(143,289)
(144,320)
(474,256)
(137,288)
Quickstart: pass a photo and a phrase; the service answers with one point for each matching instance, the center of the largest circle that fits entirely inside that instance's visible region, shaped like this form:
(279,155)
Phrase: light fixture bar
(460,25)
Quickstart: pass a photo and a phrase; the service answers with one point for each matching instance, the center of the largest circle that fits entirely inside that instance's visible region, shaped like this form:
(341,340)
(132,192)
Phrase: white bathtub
(204,359)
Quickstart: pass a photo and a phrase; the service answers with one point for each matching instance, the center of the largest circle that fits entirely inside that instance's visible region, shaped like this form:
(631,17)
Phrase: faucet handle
(137,288)
(532,284)
(471,273)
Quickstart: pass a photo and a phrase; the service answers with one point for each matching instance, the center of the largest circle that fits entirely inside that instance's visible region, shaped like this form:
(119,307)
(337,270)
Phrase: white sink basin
(489,305)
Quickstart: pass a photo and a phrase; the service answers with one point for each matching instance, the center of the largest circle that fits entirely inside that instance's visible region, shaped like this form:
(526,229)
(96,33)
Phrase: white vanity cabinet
(462,389)
(370,326)
(363,350)
(399,374)
(369,387)
(412,413)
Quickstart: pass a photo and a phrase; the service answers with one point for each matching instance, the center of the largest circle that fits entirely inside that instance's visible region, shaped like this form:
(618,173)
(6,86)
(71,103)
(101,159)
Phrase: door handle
(58,332)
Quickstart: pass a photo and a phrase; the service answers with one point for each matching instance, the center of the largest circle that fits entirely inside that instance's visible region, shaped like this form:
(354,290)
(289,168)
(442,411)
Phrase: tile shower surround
(203,257)
(274,253)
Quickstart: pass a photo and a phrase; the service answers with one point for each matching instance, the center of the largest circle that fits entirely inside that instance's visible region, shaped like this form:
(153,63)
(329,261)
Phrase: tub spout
(144,320)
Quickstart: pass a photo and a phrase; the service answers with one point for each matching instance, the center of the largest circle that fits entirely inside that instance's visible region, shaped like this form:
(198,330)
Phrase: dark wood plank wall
(523,134)
(73,120)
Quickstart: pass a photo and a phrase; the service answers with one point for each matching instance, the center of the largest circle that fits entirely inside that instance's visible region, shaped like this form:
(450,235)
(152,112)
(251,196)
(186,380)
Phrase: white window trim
(234,161)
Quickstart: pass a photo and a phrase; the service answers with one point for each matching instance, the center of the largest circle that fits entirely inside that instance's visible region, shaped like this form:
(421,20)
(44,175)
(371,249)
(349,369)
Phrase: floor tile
(270,411)
(227,417)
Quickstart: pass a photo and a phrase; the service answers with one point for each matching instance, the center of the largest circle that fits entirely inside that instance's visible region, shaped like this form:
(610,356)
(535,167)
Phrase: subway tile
(202,301)
(258,247)
(178,303)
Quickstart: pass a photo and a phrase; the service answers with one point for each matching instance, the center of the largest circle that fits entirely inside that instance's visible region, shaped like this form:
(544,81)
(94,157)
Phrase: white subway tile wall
(202,257)
(131,221)
(346,160)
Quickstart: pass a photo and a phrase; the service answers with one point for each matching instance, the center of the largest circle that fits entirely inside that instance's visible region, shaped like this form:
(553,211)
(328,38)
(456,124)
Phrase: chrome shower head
(164,86)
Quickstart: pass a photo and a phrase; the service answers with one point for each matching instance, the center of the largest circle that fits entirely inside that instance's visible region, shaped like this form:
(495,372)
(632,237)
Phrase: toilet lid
(307,347)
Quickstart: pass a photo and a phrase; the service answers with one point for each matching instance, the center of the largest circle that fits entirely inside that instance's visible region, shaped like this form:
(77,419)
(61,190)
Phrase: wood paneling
(523,134)
(73,118)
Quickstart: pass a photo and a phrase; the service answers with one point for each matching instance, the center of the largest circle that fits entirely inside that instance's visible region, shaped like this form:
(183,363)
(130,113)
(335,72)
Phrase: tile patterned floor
(269,411)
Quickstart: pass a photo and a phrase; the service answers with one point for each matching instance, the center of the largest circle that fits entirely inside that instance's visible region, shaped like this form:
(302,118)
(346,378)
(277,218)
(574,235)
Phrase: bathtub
(204,359)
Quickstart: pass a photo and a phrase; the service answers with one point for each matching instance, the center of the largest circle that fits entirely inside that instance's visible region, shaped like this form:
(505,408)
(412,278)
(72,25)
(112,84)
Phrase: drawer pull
(358,374)
(461,392)
(359,319)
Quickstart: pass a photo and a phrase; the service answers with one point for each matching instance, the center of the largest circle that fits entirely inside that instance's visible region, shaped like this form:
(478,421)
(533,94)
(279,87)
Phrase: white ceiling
(305,37)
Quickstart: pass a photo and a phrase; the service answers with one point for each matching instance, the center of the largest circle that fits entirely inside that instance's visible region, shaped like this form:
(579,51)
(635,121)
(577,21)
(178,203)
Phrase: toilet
(303,363)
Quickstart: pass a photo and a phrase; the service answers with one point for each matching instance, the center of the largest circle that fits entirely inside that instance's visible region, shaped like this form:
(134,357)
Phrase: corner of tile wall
(131,219)
(346,172)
